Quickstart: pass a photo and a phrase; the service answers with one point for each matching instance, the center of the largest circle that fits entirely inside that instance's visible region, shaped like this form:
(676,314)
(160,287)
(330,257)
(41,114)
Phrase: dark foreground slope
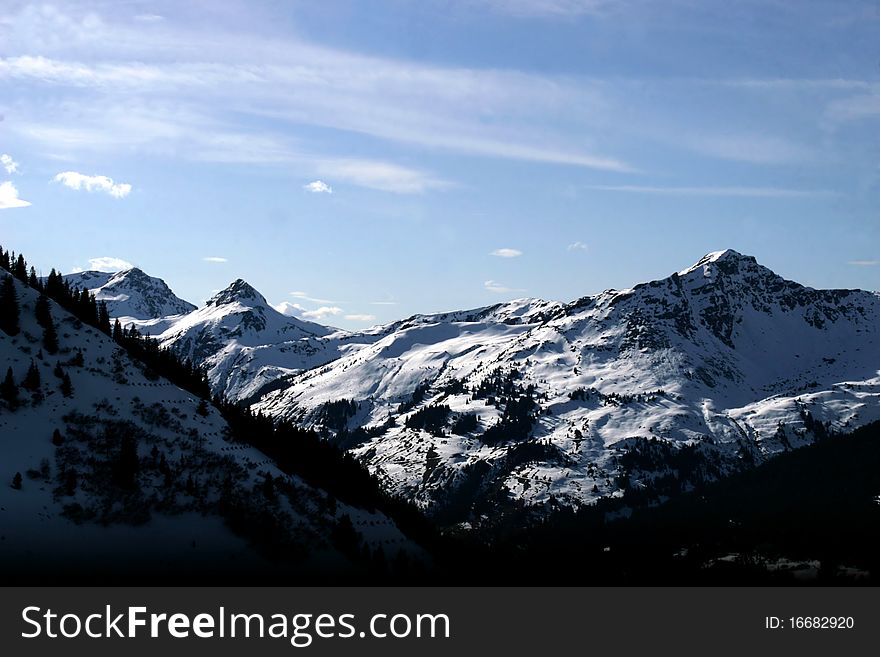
(810,516)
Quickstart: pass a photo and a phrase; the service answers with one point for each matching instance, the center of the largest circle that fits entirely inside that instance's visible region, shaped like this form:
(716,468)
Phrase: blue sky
(363,161)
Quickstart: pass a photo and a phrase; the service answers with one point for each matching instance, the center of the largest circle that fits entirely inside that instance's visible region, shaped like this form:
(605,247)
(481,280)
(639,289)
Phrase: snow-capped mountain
(242,341)
(110,469)
(131,294)
(714,368)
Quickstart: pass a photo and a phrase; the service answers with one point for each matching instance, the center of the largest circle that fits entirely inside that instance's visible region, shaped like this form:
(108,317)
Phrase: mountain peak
(239,291)
(726,261)
(131,293)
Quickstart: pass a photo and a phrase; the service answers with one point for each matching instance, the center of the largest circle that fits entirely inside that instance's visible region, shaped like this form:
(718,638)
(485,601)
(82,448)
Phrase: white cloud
(290,309)
(149,18)
(384,176)
(383,303)
(76,180)
(577,246)
(318,187)
(304,295)
(9,197)
(214,259)
(506,253)
(8,163)
(109,264)
(361,318)
(865,263)
(494,286)
(322,312)
(756,192)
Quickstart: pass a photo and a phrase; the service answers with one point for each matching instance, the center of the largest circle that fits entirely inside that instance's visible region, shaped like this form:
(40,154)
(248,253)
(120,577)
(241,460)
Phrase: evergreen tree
(117,332)
(103,318)
(127,464)
(8,389)
(41,311)
(16,481)
(50,338)
(33,281)
(66,385)
(9,311)
(57,438)
(32,378)
(20,269)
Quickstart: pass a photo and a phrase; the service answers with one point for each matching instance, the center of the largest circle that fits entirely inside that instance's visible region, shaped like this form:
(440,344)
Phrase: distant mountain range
(656,388)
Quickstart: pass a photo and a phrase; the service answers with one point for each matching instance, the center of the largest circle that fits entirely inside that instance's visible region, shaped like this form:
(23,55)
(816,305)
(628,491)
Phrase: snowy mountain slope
(242,341)
(131,294)
(141,472)
(546,400)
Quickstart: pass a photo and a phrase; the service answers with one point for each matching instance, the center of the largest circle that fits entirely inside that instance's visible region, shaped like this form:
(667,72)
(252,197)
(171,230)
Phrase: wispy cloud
(550,8)
(755,192)
(318,187)
(383,176)
(9,197)
(864,263)
(214,259)
(577,246)
(361,318)
(109,264)
(494,286)
(506,253)
(76,180)
(753,149)
(304,295)
(322,312)
(293,80)
(855,108)
(383,303)
(8,163)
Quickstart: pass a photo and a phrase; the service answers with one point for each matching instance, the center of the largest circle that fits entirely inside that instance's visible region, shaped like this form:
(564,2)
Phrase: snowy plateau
(658,388)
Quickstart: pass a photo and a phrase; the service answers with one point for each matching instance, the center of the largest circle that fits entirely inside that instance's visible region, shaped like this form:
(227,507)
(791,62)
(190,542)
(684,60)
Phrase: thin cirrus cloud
(216,259)
(9,197)
(754,192)
(506,253)
(412,102)
(360,317)
(577,246)
(8,163)
(550,8)
(864,263)
(318,187)
(498,288)
(383,176)
(77,181)
(305,296)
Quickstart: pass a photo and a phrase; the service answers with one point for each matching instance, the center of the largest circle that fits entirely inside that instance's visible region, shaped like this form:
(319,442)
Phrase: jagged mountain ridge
(131,294)
(241,340)
(714,358)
